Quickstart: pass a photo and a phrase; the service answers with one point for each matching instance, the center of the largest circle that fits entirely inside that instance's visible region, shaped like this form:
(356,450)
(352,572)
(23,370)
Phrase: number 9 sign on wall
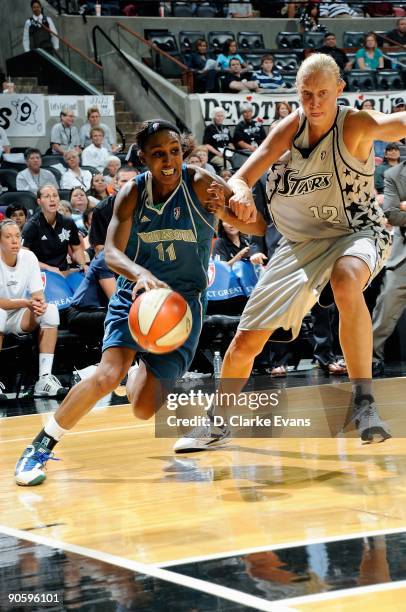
(22,114)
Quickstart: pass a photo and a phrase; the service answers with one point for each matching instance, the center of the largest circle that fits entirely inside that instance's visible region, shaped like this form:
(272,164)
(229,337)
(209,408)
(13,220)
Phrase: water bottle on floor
(217,363)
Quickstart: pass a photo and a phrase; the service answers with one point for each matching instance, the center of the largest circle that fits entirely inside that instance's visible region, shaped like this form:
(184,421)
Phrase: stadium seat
(8,178)
(56,173)
(188,38)
(91,169)
(25,198)
(165,41)
(289,40)
(51,160)
(397,58)
(254,60)
(361,80)
(217,39)
(290,78)
(353,39)
(18,149)
(286,61)
(250,41)
(388,79)
(64,194)
(182,9)
(313,40)
(206,10)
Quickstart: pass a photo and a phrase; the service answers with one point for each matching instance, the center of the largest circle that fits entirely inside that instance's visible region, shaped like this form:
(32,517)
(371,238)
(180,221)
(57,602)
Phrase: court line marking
(86,431)
(150,570)
(359,591)
(271,547)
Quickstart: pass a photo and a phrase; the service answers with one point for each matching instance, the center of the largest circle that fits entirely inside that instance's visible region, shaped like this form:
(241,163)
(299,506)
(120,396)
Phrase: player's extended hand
(147,281)
(216,198)
(243,206)
(258,258)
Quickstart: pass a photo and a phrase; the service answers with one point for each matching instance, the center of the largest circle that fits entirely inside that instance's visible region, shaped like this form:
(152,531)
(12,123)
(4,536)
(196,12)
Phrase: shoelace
(2,385)
(42,458)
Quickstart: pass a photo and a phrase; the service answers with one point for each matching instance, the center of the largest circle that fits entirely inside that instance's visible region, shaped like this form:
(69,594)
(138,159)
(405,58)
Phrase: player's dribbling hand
(216,198)
(147,281)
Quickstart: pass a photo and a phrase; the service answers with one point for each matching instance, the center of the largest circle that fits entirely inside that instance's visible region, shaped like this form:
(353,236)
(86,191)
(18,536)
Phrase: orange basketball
(160,320)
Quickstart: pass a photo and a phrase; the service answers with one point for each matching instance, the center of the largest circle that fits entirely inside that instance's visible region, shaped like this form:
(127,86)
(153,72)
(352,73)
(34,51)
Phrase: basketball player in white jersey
(322,202)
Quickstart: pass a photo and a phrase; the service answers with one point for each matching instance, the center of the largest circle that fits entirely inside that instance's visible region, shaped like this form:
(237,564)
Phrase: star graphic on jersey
(347,172)
(64,235)
(349,189)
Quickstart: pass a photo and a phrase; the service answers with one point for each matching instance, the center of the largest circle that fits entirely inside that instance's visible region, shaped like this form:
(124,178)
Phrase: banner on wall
(22,114)
(264,104)
(57,103)
(105,104)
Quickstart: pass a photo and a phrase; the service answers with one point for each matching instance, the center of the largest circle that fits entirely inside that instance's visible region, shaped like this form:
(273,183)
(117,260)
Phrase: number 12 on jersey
(325,213)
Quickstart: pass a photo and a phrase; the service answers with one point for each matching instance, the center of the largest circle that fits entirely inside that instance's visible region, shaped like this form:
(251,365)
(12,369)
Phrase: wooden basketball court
(259,522)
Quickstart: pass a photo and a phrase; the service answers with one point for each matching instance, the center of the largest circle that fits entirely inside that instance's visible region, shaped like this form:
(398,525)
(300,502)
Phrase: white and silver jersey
(324,191)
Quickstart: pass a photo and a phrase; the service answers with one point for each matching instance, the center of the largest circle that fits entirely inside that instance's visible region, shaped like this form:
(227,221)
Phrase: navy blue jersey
(171,240)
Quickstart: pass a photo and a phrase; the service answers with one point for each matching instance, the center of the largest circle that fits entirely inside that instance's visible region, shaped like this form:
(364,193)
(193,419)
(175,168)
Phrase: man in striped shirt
(268,78)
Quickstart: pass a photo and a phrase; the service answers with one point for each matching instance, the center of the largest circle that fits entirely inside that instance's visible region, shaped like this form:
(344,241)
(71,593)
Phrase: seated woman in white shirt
(22,305)
(75,176)
(95,154)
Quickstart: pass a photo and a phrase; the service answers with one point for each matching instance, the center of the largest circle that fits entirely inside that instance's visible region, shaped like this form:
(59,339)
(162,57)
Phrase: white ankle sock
(54,430)
(46,361)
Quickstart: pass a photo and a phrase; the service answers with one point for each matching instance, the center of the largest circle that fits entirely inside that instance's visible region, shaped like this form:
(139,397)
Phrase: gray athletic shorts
(298,272)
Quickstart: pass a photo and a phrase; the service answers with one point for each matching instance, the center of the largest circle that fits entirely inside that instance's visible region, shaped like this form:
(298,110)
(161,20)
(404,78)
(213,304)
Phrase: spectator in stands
(4,142)
(20,277)
(399,105)
(240,9)
(49,234)
(231,245)
(18,213)
(34,177)
(392,298)
(369,57)
(194,160)
(268,78)
(391,158)
(236,80)
(113,164)
(336,9)
(217,137)
(282,109)
(203,155)
(248,133)
(95,154)
(226,173)
(93,120)
(79,200)
(330,48)
(88,308)
(229,53)
(309,17)
(98,189)
(204,67)
(368,104)
(104,210)
(65,208)
(75,176)
(34,35)
(398,35)
(65,135)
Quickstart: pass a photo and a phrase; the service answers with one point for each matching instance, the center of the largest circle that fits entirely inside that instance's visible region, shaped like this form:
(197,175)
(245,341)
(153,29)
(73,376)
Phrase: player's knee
(106,380)
(347,282)
(143,410)
(244,346)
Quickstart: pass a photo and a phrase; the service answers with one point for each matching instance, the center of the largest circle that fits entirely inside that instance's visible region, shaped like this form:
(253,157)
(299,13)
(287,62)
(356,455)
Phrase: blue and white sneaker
(31,465)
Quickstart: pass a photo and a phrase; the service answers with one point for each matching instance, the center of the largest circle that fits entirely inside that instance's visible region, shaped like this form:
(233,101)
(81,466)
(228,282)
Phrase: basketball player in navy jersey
(160,235)
(322,202)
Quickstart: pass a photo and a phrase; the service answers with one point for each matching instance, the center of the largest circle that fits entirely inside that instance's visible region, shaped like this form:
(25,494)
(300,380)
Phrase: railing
(69,47)
(186,72)
(144,83)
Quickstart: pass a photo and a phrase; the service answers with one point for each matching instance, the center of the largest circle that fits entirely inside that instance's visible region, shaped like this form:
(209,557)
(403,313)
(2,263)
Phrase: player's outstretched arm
(217,196)
(278,141)
(118,234)
(363,127)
